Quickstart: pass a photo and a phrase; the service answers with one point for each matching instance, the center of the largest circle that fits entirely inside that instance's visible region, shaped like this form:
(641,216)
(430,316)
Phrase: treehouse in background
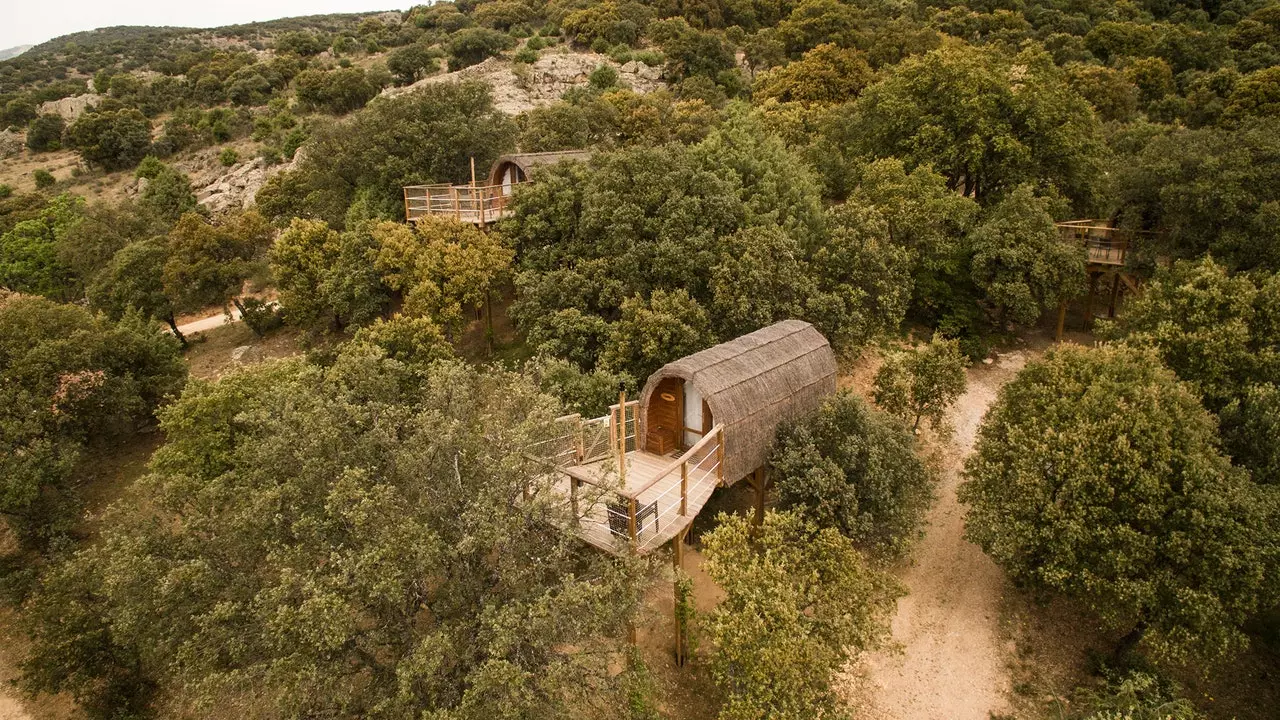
(481,204)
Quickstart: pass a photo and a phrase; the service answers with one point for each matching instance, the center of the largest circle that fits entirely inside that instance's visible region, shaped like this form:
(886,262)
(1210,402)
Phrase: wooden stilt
(1062,320)
(1115,293)
(1088,301)
(677,561)
(759,481)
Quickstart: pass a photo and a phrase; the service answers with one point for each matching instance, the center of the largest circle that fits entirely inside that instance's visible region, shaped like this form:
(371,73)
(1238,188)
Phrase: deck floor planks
(642,467)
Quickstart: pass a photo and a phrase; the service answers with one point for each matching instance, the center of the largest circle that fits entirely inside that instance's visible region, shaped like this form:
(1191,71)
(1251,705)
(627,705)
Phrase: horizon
(34,25)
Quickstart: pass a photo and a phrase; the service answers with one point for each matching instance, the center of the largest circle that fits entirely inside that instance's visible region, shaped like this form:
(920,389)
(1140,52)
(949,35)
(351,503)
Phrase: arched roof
(753,383)
(527,161)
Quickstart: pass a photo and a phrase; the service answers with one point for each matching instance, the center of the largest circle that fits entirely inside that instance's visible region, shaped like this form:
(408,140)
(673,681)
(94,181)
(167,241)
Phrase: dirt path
(952,660)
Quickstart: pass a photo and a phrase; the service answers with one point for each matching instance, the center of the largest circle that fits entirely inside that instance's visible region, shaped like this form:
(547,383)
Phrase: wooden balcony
(1104,244)
(640,503)
(479,205)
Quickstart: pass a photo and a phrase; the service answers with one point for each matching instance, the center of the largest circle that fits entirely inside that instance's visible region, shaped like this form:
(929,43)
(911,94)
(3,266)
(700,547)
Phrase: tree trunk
(173,325)
(1129,641)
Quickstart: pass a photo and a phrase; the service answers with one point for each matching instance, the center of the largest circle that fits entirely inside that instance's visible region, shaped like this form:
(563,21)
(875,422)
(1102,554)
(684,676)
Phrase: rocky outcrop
(11,143)
(519,88)
(235,189)
(70,108)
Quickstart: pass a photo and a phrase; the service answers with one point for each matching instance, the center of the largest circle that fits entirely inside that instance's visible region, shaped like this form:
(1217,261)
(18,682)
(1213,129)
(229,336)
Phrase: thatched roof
(527,161)
(753,383)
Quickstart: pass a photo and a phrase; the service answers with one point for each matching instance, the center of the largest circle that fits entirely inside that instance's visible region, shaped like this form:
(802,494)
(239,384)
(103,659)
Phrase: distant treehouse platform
(481,204)
(1108,256)
(637,477)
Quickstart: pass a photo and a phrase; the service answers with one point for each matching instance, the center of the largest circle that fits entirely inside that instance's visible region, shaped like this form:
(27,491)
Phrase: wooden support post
(631,520)
(580,441)
(1115,292)
(1088,301)
(406,206)
(759,480)
(720,458)
(684,487)
(1062,320)
(457,207)
(622,442)
(682,631)
(573,497)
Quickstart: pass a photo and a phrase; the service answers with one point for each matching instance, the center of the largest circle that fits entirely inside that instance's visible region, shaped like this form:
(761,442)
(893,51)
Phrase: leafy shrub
(112,140)
(526,55)
(587,393)
(856,469)
(472,45)
(44,134)
(228,157)
(260,316)
(44,178)
(921,382)
(5,191)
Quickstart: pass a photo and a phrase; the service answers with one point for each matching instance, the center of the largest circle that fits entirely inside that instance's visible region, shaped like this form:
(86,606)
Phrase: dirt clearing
(950,660)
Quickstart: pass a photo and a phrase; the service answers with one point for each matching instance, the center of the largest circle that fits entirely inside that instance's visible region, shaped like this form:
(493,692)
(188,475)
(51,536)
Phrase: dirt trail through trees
(952,663)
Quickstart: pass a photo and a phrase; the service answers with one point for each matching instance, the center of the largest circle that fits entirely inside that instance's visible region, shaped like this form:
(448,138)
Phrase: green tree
(1019,261)
(412,62)
(1071,496)
(921,383)
(111,139)
(654,331)
(410,340)
(69,377)
(29,253)
(472,45)
(985,121)
(168,195)
(209,262)
(855,469)
(761,277)
(326,279)
(44,134)
(443,268)
(1209,190)
(345,540)
(134,280)
(864,281)
(427,136)
(799,602)
(826,75)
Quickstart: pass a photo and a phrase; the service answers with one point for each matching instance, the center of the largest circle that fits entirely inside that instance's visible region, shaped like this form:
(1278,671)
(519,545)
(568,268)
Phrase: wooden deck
(1105,245)
(479,205)
(641,507)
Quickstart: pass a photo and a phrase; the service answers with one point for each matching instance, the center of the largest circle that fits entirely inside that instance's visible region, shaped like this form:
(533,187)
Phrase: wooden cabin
(637,477)
(482,204)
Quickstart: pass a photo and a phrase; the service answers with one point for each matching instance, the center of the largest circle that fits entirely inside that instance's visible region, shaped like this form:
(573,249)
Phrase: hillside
(897,360)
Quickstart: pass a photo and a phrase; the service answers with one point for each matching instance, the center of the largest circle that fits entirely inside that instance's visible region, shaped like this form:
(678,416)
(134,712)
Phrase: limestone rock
(11,143)
(70,108)
(246,354)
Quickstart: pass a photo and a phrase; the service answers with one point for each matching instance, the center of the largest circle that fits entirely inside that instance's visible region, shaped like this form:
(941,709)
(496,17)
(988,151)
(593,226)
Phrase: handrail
(674,465)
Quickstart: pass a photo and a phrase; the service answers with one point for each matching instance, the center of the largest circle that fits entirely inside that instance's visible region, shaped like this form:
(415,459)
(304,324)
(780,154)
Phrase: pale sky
(31,22)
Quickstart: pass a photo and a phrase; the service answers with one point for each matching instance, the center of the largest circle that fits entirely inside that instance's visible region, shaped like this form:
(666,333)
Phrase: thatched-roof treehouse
(703,421)
(481,204)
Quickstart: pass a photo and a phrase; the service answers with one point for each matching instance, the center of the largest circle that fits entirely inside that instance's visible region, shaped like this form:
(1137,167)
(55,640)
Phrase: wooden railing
(481,204)
(639,521)
(1104,244)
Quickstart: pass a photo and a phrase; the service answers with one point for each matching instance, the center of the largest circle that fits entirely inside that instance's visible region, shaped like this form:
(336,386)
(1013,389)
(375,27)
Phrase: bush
(855,469)
(228,157)
(44,178)
(44,134)
(922,382)
(6,191)
(261,317)
(526,55)
(472,45)
(112,140)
